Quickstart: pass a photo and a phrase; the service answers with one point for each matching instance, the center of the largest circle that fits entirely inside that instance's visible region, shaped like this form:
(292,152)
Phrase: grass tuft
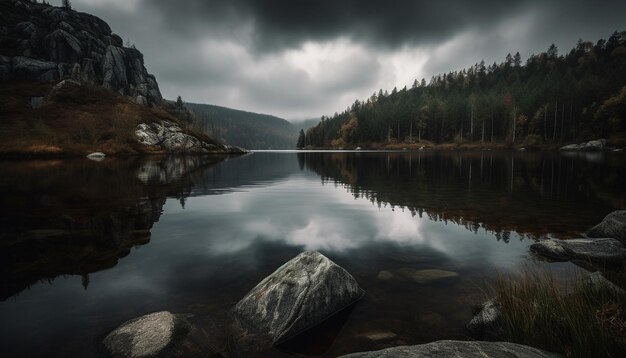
(576,318)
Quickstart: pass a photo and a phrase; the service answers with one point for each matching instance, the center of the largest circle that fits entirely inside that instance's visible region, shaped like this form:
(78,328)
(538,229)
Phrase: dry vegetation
(577,319)
(75,120)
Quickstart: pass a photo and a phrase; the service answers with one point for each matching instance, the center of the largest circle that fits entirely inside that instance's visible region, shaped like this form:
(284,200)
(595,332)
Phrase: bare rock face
(170,137)
(52,43)
(146,336)
(613,225)
(298,295)
(458,349)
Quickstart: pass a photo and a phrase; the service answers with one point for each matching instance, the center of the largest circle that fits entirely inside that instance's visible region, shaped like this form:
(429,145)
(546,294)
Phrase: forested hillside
(552,98)
(245,129)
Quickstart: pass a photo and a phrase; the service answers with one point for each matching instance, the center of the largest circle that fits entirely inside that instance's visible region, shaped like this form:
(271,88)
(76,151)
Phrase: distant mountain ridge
(246,129)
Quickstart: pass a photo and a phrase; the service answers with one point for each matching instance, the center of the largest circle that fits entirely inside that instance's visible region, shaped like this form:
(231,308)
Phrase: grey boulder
(96,156)
(170,137)
(300,294)
(613,225)
(591,146)
(458,349)
(145,336)
(487,323)
(570,148)
(603,250)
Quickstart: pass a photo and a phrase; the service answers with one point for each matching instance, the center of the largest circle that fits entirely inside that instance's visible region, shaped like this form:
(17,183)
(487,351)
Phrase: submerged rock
(298,295)
(613,225)
(457,349)
(384,275)
(145,336)
(379,336)
(487,323)
(427,276)
(604,250)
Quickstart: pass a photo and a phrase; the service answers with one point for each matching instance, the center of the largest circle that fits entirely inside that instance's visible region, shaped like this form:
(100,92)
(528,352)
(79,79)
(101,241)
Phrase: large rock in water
(298,295)
(613,225)
(603,250)
(463,349)
(146,336)
(49,43)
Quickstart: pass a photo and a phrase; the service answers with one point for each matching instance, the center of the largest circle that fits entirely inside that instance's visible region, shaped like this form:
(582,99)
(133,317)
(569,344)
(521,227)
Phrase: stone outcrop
(47,43)
(457,349)
(170,137)
(145,336)
(605,250)
(300,294)
(613,225)
(591,146)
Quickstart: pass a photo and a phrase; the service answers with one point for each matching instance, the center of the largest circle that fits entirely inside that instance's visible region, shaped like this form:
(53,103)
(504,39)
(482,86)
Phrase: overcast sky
(303,59)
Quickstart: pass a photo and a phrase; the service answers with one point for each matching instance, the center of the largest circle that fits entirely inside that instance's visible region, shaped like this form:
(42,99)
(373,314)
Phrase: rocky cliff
(47,43)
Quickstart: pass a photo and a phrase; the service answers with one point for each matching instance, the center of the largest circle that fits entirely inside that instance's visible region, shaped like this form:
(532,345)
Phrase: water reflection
(216,228)
(530,193)
(78,217)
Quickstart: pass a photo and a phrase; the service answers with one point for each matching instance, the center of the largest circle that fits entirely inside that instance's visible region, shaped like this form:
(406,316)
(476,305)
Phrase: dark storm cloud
(300,59)
(287,23)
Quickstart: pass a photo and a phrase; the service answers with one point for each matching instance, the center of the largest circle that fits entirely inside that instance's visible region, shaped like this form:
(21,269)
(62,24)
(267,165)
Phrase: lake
(85,246)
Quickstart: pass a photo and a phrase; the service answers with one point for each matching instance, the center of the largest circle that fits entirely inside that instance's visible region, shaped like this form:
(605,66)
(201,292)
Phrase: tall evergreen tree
(301,140)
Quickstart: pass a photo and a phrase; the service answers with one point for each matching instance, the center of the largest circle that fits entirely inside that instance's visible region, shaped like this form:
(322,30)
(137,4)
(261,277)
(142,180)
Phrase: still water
(85,246)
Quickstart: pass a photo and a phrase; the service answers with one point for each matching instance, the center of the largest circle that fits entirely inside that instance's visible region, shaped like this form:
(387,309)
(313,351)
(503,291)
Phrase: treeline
(551,98)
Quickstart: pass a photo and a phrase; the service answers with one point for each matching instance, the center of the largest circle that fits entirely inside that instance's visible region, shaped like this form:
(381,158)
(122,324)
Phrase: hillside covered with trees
(245,129)
(551,99)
